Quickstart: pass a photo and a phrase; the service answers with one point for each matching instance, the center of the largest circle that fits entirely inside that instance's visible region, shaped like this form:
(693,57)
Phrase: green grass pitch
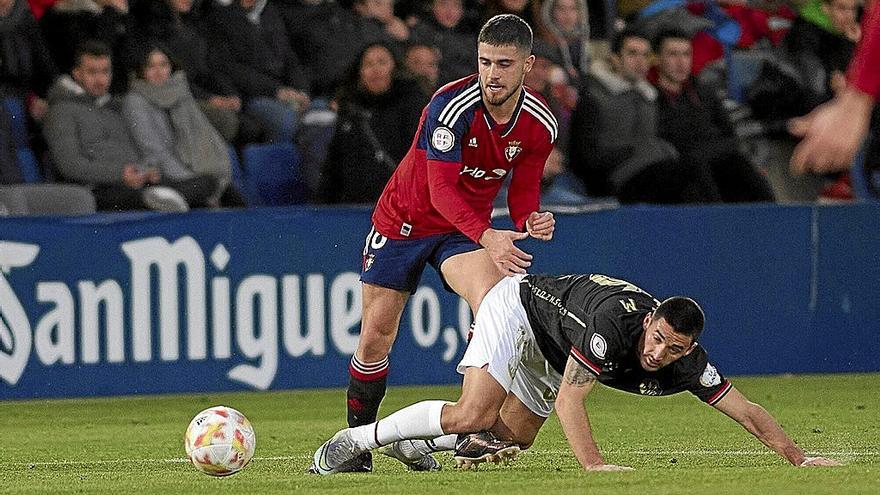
(134,445)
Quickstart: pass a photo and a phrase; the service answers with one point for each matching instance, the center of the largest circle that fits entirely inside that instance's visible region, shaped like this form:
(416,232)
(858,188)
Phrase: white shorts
(503,340)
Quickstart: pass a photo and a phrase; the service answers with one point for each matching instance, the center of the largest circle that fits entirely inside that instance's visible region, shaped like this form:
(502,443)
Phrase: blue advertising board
(270,298)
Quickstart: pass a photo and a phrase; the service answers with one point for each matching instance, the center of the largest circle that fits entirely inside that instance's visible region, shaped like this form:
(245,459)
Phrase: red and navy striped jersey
(458,160)
(597,321)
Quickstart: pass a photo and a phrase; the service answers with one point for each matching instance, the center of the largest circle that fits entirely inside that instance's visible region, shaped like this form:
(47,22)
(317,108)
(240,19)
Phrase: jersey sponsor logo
(405,229)
(443,139)
(473,142)
(710,377)
(478,173)
(650,386)
(598,346)
(512,150)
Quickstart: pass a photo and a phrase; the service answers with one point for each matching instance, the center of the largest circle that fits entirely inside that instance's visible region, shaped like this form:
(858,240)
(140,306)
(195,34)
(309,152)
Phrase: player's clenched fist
(541,225)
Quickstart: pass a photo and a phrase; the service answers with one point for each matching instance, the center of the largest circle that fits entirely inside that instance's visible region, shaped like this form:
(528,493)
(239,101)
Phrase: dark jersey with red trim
(597,320)
(458,160)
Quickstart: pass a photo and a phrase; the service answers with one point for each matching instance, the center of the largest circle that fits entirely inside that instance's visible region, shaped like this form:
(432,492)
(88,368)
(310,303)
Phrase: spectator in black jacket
(328,37)
(820,55)
(422,63)
(692,118)
(26,70)
(443,28)
(378,115)
(70,23)
(615,147)
(248,41)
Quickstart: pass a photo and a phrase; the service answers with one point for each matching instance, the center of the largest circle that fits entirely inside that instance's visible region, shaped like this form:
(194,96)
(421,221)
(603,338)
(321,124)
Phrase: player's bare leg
(471,275)
(368,371)
(476,410)
(517,423)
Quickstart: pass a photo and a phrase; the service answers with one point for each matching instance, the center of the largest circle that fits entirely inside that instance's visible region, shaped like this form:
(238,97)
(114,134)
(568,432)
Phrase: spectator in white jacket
(170,130)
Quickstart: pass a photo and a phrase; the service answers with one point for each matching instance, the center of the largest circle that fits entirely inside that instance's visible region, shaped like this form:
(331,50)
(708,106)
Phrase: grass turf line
(676,444)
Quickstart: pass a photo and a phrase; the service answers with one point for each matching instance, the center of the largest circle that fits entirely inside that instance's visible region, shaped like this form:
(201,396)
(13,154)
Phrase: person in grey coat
(90,144)
(614,146)
(170,129)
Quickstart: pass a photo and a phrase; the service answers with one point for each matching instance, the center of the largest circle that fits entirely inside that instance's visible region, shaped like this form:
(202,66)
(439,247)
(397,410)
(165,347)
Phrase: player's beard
(497,100)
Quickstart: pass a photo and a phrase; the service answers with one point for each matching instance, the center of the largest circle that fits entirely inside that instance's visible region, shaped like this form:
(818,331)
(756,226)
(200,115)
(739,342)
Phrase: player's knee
(378,331)
(479,291)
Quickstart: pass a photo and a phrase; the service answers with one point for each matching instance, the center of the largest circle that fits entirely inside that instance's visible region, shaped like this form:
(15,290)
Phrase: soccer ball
(219,441)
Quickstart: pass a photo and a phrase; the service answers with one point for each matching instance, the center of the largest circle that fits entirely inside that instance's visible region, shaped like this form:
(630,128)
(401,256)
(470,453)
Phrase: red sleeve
(524,195)
(863,70)
(446,198)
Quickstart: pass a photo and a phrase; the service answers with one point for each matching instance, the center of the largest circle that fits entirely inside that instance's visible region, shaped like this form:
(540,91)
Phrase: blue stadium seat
(30,167)
(243,183)
(275,171)
(15,108)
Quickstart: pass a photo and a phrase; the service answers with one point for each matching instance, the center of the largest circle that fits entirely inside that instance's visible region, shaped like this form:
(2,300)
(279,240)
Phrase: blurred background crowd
(176,104)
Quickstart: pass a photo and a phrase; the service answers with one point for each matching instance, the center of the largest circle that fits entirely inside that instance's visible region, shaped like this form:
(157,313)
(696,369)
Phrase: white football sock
(420,420)
(425,447)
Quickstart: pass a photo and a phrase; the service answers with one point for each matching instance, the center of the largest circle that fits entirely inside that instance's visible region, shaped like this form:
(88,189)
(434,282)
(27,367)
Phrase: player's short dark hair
(621,37)
(91,48)
(683,314)
(668,34)
(507,29)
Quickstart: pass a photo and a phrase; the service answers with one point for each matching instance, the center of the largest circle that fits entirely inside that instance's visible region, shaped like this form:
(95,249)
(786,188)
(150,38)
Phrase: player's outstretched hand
(541,225)
(832,133)
(609,467)
(819,461)
(509,259)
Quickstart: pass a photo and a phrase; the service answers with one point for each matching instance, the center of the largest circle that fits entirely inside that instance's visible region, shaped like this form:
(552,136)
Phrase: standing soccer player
(436,207)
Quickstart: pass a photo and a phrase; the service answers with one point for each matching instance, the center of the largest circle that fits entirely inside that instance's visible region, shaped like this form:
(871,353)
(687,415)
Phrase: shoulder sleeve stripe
(453,103)
(575,318)
(551,128)
(539,105)
(717,396)
(586,363)
(460,109)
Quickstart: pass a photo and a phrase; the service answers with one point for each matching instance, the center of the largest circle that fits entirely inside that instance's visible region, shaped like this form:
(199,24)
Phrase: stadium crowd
(153,104)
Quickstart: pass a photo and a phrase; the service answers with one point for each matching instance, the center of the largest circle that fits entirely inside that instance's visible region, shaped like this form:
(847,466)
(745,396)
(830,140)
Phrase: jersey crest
(512,150)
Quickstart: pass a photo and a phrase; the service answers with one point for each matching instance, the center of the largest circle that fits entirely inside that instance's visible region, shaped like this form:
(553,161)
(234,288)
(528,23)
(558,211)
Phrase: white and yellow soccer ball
(219,441)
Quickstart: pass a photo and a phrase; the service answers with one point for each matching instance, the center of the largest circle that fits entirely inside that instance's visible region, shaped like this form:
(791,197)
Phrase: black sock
(366,389)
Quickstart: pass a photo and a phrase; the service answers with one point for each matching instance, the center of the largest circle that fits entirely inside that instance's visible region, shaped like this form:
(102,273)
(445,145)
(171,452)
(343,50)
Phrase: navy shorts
(398,263)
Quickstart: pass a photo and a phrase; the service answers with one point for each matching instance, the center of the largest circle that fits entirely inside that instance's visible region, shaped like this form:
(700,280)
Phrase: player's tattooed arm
(578,376)
(572,413)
